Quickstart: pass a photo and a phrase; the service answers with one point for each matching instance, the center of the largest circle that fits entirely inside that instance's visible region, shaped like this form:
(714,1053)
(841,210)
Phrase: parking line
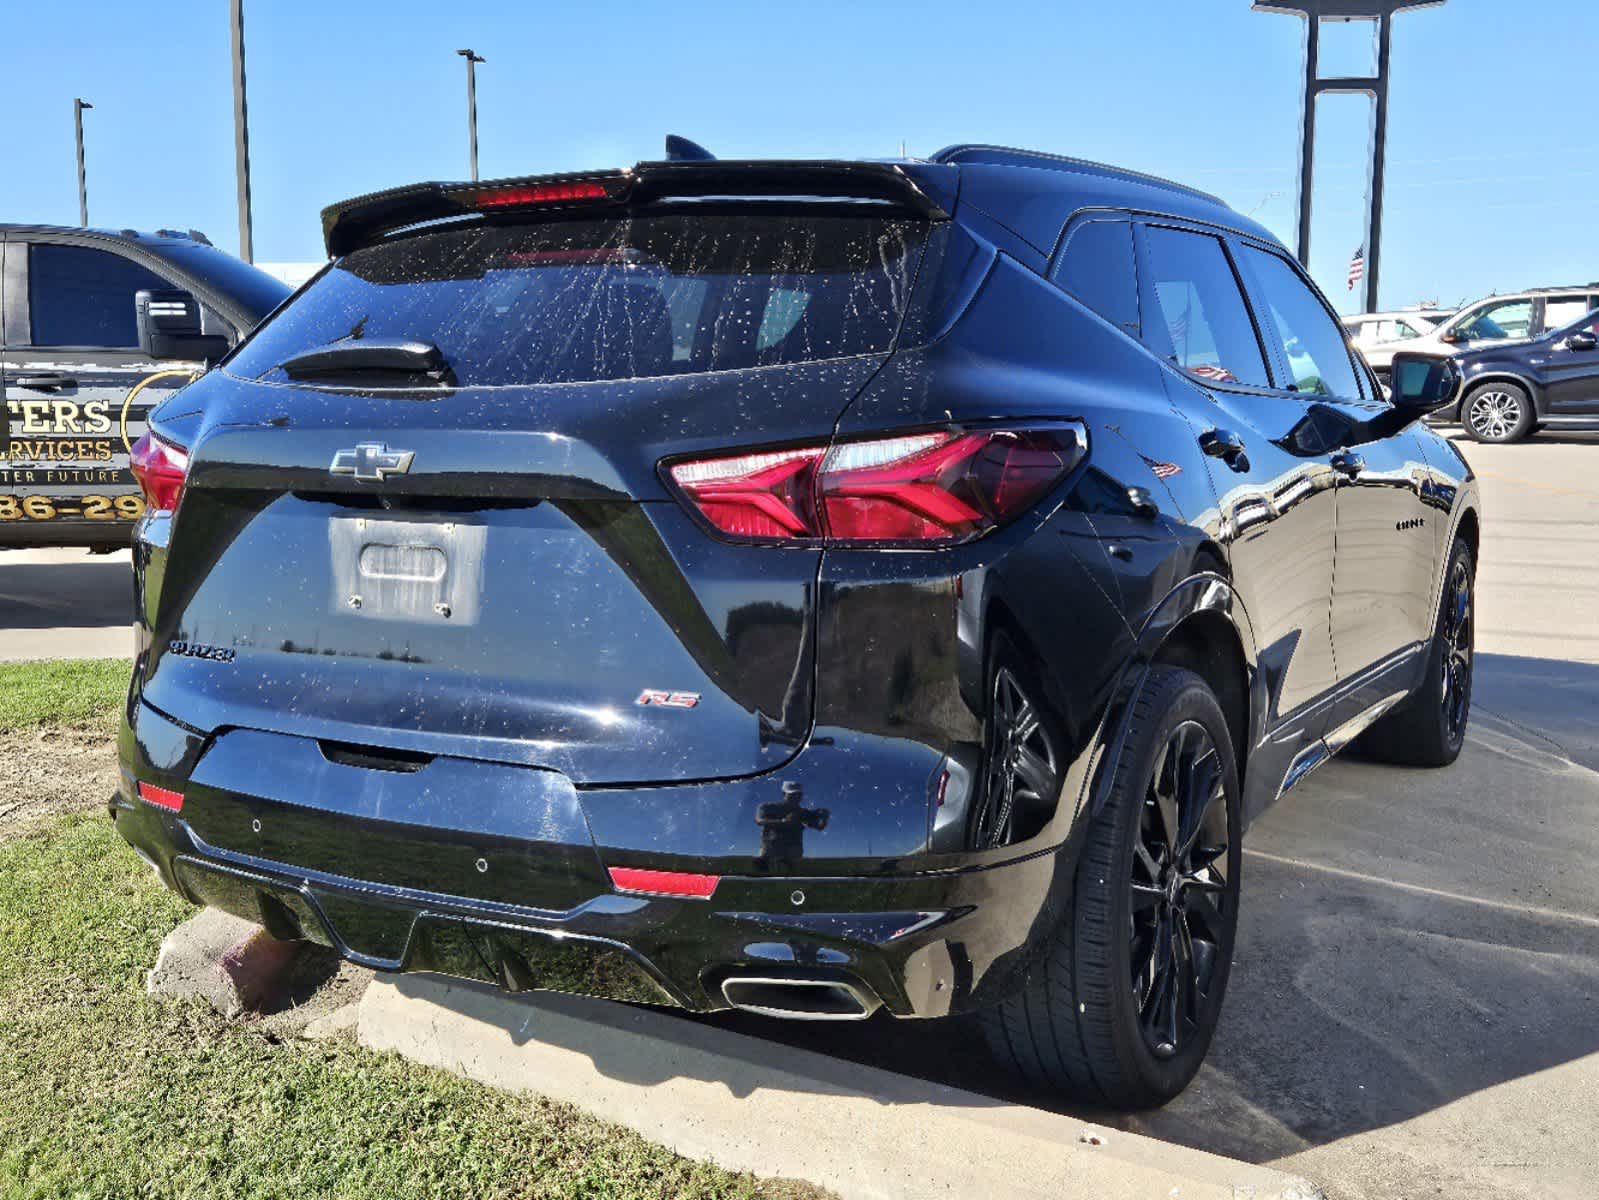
(1521,910)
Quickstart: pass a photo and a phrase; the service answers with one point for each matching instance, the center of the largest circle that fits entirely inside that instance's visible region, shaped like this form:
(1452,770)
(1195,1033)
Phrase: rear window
(584,301)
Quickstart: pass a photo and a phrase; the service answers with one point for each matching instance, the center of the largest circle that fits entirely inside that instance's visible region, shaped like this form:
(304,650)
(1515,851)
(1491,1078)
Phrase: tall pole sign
(78,105)
(241,132)
(1314,12)
(472,60)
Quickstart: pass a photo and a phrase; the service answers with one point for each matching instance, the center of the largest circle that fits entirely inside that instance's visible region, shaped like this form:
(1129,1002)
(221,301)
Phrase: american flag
(1357,268)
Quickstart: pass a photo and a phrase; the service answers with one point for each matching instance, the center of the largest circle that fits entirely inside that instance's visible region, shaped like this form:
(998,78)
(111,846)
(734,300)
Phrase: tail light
(571,191)
(160,467)
(919,489)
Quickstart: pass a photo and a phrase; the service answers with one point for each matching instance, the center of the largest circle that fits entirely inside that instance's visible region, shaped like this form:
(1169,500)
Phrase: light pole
(472,60)
(241,131)
(1314,12)
(78,105)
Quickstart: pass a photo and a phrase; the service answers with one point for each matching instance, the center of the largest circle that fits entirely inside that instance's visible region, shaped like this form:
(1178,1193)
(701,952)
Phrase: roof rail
(1010,156)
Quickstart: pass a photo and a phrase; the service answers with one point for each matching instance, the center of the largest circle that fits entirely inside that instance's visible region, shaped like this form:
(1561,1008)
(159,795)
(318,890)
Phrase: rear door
(1383,580)
(70,362)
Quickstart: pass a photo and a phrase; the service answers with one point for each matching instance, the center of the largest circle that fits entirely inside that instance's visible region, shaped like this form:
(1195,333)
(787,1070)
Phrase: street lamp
(1376,86)
(472,59)
(78,105)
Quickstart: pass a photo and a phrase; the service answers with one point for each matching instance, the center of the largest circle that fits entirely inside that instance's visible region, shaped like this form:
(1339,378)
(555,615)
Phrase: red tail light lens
(160,467)
(923,489)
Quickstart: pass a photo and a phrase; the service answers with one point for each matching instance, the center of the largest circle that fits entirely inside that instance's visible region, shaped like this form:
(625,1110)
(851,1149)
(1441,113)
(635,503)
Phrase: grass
(83,693)
(105,1092)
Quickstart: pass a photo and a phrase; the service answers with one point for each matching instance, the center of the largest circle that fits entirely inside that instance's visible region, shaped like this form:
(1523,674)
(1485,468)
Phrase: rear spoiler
(912,187)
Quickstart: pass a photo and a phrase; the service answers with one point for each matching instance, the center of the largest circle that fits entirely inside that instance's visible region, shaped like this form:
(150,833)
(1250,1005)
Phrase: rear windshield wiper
(362,358)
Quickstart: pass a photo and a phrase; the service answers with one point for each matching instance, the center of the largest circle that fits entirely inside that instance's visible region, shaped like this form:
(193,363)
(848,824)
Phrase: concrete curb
(751,1105)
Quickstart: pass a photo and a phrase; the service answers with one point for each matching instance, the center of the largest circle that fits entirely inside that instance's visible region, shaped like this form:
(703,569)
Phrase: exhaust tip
(800,999)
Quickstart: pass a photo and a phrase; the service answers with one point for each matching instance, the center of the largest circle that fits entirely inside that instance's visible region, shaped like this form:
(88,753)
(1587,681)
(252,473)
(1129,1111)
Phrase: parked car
(805,587)
(1379,336)
(1500,320)
(89,315)
(1507,393)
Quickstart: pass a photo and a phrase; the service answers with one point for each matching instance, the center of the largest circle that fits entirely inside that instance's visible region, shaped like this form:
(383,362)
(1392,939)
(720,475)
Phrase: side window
(1403,330)
(1560,311)
(80,296)
(1508,319)
(1196,314)
(1318,358)
(1097,268)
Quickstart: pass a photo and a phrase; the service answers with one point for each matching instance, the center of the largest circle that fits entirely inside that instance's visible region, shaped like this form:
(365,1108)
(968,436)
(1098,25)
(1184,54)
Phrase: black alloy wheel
(1020,776)
(1429,728)
(1458,647)
(1179,890)
(1121,1006)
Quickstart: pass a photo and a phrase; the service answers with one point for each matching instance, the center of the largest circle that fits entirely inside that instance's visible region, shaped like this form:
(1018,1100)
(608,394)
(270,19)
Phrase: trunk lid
(524,590)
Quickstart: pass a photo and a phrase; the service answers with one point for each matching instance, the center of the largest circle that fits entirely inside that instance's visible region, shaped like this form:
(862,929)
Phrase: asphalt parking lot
(1412,1010)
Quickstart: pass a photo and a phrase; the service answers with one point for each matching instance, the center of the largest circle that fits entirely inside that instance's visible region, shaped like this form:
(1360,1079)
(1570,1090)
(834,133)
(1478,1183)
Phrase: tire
(1080,1022)
(1498,413)
(1429,729)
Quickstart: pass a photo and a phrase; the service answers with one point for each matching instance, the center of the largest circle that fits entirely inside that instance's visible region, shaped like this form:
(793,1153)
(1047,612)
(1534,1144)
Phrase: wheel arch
(1200,625)
(1540,405)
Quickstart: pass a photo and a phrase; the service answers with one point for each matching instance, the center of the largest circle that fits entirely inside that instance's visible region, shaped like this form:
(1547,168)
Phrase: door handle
(45,381)
(1225,445)
(1348,465)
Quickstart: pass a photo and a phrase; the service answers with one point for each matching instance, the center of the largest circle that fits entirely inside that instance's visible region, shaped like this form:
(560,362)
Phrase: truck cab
(86,316)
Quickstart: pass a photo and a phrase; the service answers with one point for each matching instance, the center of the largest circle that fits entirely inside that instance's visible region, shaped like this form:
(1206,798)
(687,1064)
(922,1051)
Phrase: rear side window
(80,296)
(1195,313)
(1312,342)
(582,301)
(1097,268)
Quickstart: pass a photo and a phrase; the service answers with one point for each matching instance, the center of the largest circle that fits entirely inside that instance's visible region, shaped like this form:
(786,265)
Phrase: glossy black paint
(437,792)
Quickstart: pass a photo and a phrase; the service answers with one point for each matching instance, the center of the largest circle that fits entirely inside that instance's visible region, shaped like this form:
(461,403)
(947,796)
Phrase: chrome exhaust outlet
(800,999)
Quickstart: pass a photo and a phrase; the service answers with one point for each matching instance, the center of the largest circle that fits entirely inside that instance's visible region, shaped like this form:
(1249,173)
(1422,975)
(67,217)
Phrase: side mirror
(1453,337)
(1582,340)
(1420,385)
(169,327)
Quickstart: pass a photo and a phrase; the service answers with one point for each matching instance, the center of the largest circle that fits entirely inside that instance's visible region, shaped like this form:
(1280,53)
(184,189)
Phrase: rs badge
(653,699)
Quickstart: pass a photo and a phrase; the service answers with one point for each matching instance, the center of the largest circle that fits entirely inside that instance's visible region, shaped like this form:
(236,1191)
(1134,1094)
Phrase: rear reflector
(161,797)
(664,883)
(160,468)
(541,193)
(920,489)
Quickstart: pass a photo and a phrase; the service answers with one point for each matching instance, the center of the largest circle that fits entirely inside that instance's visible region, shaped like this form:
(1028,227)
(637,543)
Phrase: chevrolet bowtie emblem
(371,461)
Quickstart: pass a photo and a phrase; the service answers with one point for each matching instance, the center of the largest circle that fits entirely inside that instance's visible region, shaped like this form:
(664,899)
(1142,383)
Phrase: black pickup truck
(86,315)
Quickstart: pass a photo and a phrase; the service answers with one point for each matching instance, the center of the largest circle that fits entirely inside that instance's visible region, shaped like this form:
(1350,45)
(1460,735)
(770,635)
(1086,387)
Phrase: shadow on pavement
(93,593)
(1408,937)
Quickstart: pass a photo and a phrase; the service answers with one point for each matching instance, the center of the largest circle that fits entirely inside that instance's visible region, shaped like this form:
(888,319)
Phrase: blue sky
(1493,168)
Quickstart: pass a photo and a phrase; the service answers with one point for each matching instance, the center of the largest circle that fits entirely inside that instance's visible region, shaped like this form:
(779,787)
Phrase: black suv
(1510,392)
(807,587)
(86,316)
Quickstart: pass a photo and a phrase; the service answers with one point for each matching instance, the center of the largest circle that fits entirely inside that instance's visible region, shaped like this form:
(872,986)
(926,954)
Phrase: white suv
(1379,336)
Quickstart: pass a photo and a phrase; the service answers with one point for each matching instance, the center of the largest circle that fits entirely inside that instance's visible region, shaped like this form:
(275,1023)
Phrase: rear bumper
(536,910)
